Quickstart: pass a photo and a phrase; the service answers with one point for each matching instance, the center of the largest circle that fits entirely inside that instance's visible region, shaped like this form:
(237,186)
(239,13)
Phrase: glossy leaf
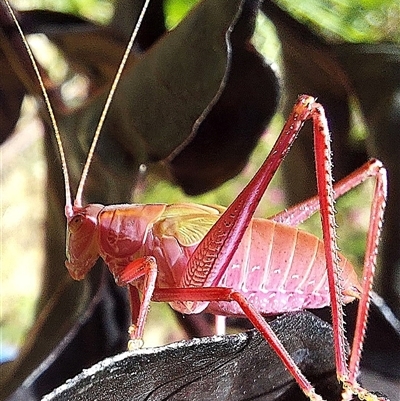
(230,368)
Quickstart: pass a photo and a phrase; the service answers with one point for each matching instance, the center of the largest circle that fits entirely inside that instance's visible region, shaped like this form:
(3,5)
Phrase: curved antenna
(68,201)
(78,199)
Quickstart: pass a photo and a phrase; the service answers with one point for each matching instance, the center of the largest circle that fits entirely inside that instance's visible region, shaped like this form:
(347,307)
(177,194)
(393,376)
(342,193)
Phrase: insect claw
(351,389)
(313,396)
(134,343)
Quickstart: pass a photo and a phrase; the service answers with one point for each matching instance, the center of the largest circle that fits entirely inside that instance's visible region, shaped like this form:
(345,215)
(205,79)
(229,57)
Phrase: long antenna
(78,199)
(68,201)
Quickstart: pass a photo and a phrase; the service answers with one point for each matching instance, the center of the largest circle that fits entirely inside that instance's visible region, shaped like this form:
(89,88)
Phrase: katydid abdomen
(280,269)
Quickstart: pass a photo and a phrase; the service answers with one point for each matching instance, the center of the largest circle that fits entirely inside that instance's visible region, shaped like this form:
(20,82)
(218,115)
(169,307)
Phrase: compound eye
(76,223)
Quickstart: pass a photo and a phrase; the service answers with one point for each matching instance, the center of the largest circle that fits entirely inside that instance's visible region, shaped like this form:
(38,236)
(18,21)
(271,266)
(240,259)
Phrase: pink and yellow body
(277,268)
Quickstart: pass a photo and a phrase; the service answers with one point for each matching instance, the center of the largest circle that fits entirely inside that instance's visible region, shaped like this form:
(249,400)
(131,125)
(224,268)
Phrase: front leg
(144,269)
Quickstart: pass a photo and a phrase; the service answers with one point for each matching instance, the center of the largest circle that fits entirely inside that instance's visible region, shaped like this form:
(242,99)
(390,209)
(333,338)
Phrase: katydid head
(81,241)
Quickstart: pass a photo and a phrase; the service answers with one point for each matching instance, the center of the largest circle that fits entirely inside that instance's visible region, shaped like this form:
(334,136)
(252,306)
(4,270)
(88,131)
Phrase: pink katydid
(227,262)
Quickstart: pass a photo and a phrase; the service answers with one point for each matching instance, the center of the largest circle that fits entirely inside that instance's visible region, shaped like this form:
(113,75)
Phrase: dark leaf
(184,92)
(239,367)
(12,93)
(13,75)
(223,141)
